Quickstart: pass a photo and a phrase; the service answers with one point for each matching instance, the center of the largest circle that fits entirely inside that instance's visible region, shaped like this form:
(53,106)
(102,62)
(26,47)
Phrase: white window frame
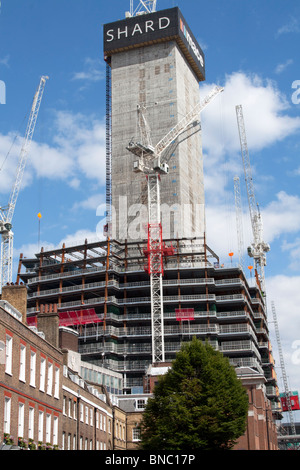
(48,427)
(136,434)
(42,374)
(21,417)
(31,423)
(8,354)
(50,379)
(7,414)
(41,426)
(55,430)
(22,362)
(32,368)
(56,382)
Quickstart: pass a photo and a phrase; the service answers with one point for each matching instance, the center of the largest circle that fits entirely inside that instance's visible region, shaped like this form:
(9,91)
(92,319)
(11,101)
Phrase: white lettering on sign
(191,42)
(138,29)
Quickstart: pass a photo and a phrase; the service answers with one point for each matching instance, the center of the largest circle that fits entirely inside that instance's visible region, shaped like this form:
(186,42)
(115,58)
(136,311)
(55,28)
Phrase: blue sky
(251,48)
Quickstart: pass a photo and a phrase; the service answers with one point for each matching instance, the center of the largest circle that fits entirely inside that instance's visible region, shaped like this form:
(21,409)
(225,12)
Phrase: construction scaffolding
(107,281)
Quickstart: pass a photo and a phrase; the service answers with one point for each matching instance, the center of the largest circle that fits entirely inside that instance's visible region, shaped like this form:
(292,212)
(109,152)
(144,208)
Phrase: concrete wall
(159,77)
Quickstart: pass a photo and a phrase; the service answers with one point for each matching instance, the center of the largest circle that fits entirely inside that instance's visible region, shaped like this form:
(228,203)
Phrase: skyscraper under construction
(102,288)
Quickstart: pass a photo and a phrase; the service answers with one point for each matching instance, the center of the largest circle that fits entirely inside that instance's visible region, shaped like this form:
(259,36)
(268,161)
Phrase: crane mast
(6,213)
(239,219)
(258,248)
(282,366)
(150,163)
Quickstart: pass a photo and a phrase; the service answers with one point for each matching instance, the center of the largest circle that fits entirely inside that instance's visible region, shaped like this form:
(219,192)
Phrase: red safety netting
(184,314)
(78,317)
(72,318)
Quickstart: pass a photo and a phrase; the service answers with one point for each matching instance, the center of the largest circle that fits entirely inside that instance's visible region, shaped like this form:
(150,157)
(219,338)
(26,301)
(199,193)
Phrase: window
(21,420)
(141,403)
(91,417)
(31,423)
(48,428)
(74,410)
(50,379)
(22,362)
(42,374)
(81,412)
(41,426)
(32,368)
(136,434)
(56,382)
(7,408)
(55,430)
(8,355)
(86,415)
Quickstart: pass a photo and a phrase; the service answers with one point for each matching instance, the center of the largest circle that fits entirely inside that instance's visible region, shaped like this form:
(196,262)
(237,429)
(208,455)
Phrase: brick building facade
(30,382)
(44,403)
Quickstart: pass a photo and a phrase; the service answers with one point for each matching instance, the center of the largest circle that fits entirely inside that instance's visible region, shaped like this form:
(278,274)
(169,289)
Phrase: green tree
(199,404)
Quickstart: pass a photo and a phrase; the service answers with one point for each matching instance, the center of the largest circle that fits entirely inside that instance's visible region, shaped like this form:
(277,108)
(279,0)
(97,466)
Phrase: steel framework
(144,6)
(107,227)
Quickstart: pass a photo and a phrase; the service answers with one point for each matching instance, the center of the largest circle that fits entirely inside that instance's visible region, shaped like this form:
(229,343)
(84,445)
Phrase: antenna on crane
(143,7)
(6,213)
(258,248)
(151,163)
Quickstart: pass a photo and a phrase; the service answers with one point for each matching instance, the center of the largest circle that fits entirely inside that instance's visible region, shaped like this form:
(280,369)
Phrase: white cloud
(285,293)
(281,67)
(293,248)
(5,61)
(292,26)
(266,120)
(77,150)
(263,107)
(91,203)
(93,71)
(281,216)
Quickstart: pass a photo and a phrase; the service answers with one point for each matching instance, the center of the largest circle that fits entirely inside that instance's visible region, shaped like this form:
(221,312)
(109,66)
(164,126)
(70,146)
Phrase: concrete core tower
(157,64)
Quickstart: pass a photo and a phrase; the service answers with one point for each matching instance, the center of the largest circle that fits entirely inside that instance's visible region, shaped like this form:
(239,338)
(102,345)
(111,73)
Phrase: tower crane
(150,162)
(258,248)
(284,376)
(239,219)
(144,6)
(7,212)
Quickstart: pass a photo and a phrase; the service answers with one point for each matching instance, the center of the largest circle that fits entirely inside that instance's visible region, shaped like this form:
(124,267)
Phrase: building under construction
(104,289)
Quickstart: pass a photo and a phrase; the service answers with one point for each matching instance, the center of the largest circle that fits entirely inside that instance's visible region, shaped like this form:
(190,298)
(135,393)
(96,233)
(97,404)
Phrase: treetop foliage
(199,404)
